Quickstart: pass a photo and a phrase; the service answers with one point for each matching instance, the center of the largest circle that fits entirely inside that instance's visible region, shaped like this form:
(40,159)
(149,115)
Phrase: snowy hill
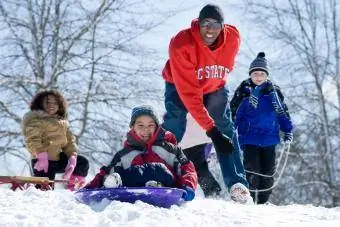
(59,208)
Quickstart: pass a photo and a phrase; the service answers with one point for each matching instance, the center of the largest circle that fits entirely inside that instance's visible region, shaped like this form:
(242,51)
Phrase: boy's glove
(288,137)
(221,142)
(189,194)
(267,87)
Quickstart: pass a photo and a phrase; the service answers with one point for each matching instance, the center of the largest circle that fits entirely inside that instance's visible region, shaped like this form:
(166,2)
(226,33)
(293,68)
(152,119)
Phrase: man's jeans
(218,108)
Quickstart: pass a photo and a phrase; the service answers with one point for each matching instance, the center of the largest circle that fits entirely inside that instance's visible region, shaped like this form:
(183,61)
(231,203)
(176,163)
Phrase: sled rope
(285,149)
(276,171)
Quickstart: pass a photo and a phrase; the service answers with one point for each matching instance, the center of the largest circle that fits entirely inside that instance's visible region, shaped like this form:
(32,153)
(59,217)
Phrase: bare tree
(87,49)
(307,33)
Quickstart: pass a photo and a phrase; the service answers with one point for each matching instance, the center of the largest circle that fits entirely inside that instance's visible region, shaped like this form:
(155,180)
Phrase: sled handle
(32,179)
(21,181)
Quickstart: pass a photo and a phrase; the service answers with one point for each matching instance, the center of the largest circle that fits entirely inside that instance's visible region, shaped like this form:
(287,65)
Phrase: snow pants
(137,176)
(55,167)
(259,160)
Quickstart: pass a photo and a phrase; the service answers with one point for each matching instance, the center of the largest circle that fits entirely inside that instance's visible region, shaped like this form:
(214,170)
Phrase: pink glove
(42,163)
(72,162)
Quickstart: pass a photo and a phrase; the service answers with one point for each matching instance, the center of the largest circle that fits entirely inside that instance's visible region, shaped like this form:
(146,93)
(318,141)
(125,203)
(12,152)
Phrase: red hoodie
(195,70)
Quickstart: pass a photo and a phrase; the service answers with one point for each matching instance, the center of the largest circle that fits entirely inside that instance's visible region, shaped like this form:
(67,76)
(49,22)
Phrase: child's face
(50,105)
(144,127)
(258,77)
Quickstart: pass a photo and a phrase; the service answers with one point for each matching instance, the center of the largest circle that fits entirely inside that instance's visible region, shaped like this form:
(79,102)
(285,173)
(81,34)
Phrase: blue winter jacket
(261,126)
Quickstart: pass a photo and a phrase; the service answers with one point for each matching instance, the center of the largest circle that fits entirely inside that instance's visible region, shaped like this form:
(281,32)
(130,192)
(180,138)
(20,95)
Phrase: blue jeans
(219,109)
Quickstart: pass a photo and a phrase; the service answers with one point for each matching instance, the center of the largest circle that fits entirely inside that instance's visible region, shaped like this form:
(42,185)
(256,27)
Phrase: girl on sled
(50,141)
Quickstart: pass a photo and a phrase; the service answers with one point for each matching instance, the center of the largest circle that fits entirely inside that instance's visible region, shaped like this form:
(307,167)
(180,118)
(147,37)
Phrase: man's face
(209,30)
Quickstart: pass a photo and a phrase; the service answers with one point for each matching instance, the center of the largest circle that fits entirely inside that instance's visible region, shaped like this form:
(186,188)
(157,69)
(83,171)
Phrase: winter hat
(211,11)
(142,111)
(260,63)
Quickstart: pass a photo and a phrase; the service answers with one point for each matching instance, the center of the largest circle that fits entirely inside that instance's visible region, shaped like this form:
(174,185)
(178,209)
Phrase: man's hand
(222,143)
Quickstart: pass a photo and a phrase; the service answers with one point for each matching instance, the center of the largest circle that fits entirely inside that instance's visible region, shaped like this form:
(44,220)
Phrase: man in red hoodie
(201,58)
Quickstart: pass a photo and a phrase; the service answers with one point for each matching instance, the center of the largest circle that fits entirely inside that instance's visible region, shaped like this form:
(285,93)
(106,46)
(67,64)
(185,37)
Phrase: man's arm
(187,86)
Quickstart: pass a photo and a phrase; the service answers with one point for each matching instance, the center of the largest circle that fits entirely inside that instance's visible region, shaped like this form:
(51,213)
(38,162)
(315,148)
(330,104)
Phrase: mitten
(288,137)
(189,194)
(222,143)
(42,163)
(72,162)
(267,87)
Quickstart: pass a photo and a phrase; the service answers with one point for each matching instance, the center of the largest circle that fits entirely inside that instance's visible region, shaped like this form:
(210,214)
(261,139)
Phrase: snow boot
(240,194)
(75,182)
(113,180)
(198,155)
(208,183)
(152,183)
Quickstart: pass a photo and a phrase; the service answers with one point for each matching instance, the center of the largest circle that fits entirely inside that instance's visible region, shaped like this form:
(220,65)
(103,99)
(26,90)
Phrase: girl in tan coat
(50,141)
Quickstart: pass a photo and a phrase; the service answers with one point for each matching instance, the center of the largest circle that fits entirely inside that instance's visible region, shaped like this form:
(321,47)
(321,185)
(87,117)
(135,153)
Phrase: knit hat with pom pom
(259,64)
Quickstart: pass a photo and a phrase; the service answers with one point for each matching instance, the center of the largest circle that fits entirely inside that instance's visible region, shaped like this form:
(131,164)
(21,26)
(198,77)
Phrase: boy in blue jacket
(260,114)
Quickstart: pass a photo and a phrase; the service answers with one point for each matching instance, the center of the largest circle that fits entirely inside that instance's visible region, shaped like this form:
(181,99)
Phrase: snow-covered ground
(59,208)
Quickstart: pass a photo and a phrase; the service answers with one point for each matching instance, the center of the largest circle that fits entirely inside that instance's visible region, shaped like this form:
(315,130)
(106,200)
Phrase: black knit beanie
(142,111)
(211,11)
(259,64)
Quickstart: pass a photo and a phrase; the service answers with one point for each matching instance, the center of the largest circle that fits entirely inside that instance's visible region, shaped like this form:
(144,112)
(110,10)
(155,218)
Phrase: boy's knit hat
(211,11)
(259,64)
(142,111)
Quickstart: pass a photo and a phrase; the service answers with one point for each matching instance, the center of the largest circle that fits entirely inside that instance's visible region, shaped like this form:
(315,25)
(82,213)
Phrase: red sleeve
(236,36)
(187,86)
(189,175)
(169,137)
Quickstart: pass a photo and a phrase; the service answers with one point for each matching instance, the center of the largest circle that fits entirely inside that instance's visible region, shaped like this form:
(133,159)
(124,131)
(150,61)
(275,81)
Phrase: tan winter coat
(43,132)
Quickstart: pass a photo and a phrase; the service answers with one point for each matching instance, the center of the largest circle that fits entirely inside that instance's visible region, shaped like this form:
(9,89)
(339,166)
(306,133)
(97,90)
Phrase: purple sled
(157,196)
